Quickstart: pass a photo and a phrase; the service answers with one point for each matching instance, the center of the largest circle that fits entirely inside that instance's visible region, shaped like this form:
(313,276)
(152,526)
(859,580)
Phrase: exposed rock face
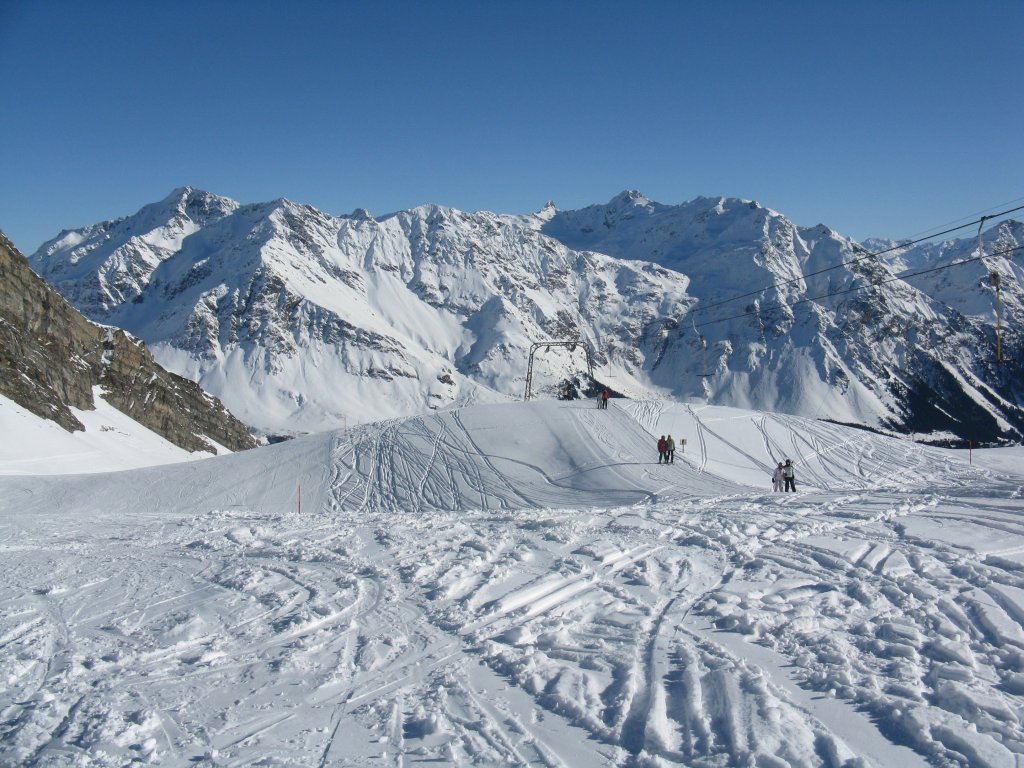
(51,357)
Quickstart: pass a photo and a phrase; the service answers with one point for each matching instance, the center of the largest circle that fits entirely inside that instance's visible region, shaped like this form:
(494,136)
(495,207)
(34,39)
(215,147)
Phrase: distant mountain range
(301,321)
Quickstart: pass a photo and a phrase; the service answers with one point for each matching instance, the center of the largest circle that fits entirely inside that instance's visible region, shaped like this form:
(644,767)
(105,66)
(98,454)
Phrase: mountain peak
(178,193)
(361,214)
(629,197)
(548,212)
(196,204)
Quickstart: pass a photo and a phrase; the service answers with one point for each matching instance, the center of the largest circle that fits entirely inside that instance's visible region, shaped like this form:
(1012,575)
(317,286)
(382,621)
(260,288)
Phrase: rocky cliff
(51,358)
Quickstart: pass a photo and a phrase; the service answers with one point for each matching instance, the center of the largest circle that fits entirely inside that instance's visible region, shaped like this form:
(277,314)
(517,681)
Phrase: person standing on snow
(604,399)
(670,450)
(789,475)
(662,446)
(777,478)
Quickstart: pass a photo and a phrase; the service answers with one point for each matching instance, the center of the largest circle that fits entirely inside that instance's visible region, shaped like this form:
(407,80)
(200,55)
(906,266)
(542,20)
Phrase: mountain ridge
(294,316)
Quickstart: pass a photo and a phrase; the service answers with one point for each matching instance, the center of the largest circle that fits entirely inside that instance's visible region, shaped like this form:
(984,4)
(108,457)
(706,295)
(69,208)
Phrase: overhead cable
(903,244)
(968,216)
(894,278)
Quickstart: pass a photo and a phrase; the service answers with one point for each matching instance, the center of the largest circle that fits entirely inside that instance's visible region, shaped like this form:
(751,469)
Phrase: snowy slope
(520,584)
(111,441)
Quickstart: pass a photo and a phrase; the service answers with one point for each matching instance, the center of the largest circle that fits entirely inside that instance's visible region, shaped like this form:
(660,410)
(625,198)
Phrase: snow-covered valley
(522,584)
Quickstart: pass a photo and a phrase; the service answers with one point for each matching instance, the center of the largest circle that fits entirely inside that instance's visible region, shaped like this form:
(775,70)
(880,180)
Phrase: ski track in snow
(522,585)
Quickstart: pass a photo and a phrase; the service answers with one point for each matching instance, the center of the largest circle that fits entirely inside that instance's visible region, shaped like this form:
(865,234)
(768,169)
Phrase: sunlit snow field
(110,441)
(521,585)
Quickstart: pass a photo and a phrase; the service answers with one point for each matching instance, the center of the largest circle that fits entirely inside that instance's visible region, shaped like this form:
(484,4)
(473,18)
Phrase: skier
(777,478)
(604,399)
(670,450)
(789,475)
(662,446)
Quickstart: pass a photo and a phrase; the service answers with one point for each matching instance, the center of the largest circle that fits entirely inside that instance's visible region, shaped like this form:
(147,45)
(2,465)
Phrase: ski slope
(521,584)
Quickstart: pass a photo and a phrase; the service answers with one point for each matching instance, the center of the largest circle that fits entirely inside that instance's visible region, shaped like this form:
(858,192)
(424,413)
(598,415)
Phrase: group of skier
(666,450)
(784,477)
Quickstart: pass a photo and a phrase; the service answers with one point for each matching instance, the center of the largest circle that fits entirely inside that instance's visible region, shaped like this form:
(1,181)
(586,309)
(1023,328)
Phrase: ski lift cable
(894,278)
(968,216)
(902,244)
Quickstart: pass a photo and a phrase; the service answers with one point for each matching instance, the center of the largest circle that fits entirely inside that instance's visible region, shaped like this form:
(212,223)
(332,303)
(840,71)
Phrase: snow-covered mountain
(913,355)
(301,321)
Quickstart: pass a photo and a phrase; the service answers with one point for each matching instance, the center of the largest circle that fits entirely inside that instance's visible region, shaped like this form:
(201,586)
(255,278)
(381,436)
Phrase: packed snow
(522,584)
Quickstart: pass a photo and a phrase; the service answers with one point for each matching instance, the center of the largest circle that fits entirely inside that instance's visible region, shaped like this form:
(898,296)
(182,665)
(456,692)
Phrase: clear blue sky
(876,118)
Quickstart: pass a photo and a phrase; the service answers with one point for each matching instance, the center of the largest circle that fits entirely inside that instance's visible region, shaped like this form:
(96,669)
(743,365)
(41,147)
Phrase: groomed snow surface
(521,584)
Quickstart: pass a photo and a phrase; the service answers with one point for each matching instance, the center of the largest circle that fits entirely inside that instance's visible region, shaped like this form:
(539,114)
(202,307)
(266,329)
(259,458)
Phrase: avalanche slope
(520,584)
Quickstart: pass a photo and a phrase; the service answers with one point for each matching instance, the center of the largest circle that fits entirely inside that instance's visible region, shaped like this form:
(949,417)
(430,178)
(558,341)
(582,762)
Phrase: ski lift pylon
(704,346)
(994,281)
(569,344)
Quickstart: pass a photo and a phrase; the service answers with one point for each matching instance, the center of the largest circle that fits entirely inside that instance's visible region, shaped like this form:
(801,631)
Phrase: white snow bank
(1009,461)
(111,441)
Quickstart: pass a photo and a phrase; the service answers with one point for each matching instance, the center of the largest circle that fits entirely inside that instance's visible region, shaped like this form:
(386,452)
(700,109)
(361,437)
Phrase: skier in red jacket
(662,449)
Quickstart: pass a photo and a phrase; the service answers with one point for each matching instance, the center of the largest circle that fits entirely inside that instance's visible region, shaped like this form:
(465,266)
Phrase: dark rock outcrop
(51,357)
